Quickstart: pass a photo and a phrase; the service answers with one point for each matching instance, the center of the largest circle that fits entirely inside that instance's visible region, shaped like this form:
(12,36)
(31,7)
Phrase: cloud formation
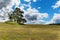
(55,19)
(27,0)
(34,0)
(5,7)
(35,16)
(57,4)
(8,4)
(4,3)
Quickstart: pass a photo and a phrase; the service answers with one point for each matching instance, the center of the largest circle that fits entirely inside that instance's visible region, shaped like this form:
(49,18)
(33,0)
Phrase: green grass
(29,32)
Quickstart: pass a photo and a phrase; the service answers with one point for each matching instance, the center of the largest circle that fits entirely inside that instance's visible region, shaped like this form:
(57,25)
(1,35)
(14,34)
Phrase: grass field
(29,32)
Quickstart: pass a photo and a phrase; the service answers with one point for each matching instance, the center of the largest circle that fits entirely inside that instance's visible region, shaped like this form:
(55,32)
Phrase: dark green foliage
(55,24)
(11,17)
(17,16)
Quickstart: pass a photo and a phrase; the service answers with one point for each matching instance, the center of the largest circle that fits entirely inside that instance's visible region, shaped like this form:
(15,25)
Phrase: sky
(35,11)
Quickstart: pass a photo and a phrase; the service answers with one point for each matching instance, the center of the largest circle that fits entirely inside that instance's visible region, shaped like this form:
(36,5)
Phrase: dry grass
(29,32)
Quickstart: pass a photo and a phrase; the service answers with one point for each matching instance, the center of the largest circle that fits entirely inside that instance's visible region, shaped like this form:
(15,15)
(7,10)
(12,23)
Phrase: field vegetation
(29,32)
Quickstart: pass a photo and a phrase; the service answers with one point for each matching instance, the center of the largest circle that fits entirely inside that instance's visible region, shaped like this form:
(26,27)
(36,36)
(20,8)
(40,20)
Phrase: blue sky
(45,7)
(37,11)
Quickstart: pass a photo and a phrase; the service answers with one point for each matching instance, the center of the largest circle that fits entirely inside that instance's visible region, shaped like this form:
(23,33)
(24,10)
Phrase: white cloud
(34,0)
(3,16)
(4,3)
(27,0)
(55,19)
(39,7)
(34,16)
(13,2)
(56,5)
(9,3)
(5,7)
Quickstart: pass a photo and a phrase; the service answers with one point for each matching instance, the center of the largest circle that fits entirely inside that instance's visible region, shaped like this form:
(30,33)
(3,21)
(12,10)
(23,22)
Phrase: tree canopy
(17,16)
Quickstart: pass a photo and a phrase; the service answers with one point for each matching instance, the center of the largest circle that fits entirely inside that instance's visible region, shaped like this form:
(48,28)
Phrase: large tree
(17,16)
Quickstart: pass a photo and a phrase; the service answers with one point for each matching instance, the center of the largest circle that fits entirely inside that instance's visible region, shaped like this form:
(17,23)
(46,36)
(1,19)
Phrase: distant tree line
(55,24)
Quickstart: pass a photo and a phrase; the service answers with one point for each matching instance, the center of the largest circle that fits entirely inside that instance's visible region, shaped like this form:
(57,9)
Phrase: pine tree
(18,16)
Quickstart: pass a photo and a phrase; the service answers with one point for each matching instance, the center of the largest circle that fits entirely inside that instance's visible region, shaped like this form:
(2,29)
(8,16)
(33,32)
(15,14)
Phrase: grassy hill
(29,32)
